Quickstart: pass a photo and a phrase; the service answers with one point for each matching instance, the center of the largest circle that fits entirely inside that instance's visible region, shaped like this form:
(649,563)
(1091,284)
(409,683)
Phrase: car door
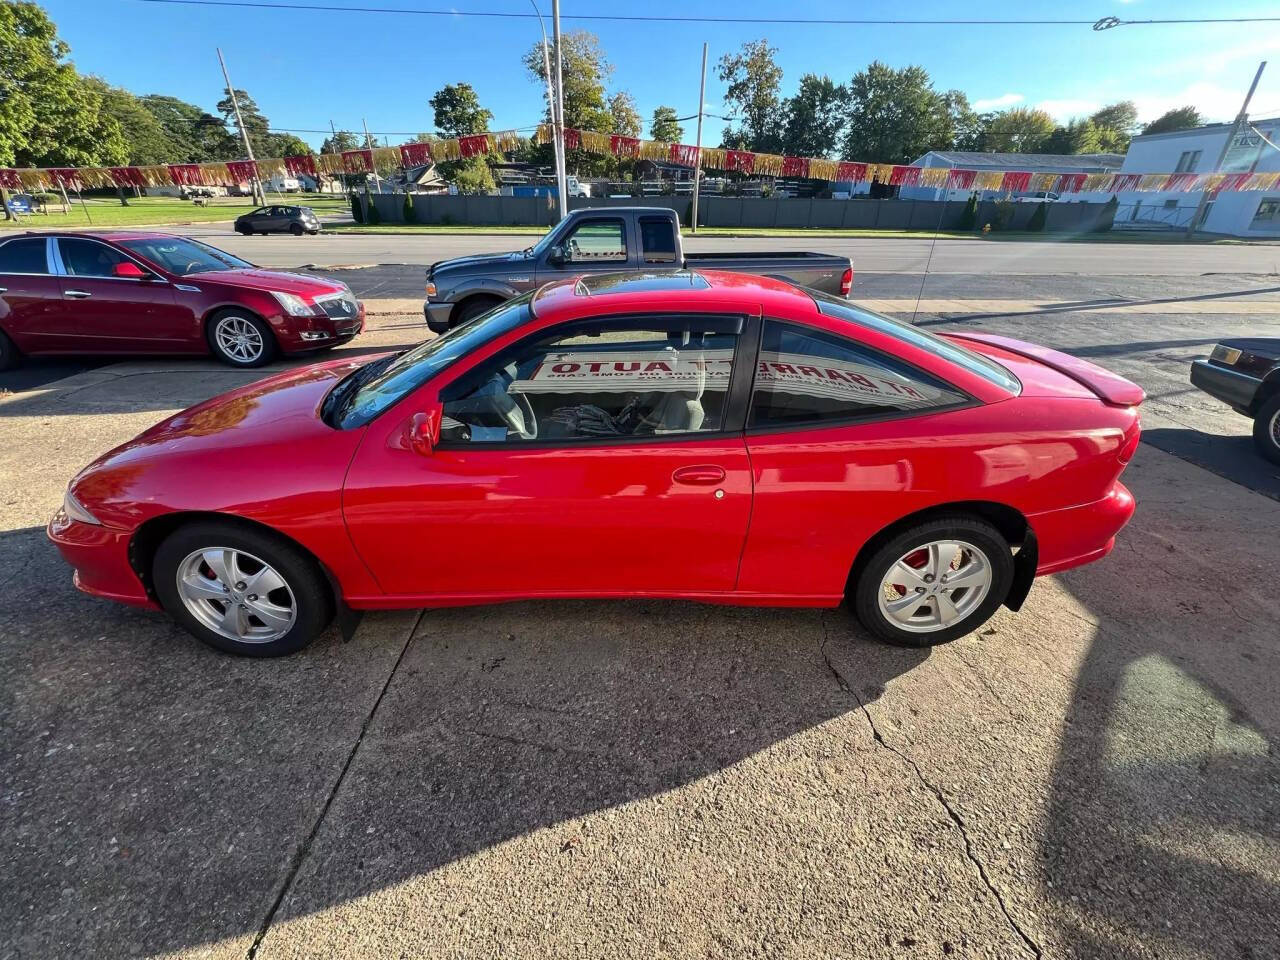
(595,245)
(119,314)
(31,305)
(587,462)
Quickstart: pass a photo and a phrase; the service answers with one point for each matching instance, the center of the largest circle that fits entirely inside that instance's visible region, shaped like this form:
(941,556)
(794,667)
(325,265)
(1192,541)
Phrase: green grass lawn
(159,211)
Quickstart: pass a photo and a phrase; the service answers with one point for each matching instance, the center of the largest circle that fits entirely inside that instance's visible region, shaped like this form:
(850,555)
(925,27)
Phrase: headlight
(73,509)
(294,306)
(431,289)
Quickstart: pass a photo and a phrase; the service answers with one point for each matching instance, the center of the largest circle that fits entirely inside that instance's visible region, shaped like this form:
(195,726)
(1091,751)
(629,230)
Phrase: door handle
(703,475)
(77,294)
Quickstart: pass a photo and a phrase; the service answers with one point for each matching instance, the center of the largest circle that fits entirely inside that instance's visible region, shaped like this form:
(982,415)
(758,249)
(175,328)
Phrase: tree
(1180,118)
(196,135)
(812,117)
(474,176)
(666,126)
(895,116)
(964,123)
(1039,218)
(49,115)
(586,70)
(754,80)
(286,145)
(406,210)
(1116,124)
(255,124)
(626,117)
(1019,130)
(340,142)
(1078,136)
(969,216)
(458,112)
(145,138)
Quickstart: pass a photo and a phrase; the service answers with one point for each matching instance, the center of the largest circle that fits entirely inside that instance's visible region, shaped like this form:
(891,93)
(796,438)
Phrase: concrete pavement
(1096,776)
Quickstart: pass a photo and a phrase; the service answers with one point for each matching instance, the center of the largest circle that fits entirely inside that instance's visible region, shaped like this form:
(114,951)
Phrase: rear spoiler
(1110,388)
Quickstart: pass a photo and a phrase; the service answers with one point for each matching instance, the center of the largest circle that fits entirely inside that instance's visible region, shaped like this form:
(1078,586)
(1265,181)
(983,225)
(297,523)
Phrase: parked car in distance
(1244,373)
(605,240)
(278,218)
(129,292)
(706,436)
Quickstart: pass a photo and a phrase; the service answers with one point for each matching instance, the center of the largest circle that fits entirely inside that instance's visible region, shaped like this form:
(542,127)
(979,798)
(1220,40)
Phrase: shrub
(1039,217)
(373,218)
(969,216)
(1003,214)
(408,208)
(357,211)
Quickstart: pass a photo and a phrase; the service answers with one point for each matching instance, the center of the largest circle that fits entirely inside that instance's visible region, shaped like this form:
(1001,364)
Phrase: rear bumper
(100,558)
(437,315)
(1233,388)
(1079,535)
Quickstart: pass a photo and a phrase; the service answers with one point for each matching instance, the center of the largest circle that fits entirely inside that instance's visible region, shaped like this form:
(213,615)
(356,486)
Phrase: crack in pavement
(304,848)
(941,798)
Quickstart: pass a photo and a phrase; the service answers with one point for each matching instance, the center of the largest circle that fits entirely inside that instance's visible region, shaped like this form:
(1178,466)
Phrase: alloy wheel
(239,338)
(236,595)
(935,586)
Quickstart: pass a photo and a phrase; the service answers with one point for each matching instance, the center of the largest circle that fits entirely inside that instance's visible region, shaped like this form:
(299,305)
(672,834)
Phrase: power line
(1105,23)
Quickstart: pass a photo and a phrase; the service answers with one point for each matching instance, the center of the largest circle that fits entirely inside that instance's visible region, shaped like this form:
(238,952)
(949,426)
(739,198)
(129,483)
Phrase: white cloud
(1067,108)
(1215,102)
(997,103)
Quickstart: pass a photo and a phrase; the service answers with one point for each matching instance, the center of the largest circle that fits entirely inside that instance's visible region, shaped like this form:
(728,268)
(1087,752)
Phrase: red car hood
(295,283)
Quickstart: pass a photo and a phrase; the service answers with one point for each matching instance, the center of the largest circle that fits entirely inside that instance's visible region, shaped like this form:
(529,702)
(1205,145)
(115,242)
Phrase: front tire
(472,309)
(933,582)
(241,339)
(1266,429)
(241,590)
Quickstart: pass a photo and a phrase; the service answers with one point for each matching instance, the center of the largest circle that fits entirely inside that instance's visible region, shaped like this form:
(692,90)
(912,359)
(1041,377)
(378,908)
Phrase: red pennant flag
(901,176)
(10,180)
(473,146)
(1125,181)
(1069,183)
(572,139)
(961,179)
(795,166)
(683,154)
(624,146)
(126,176)
(1232,181)
(242,170)
(65,176)
(1180,182)
(741,160)
(356,161)
(300,166)
(852,172)
(186,174)
(1015,181)
(415,154)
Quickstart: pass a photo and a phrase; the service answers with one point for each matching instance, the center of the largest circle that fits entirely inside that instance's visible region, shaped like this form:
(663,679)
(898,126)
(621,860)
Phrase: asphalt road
(1096,776)
(870,254)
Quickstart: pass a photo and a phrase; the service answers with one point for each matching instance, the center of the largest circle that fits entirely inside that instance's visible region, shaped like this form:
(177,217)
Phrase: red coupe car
(715,437)
(152,293)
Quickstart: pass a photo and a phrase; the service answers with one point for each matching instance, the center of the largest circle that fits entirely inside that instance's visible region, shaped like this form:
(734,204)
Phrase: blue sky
(306,69)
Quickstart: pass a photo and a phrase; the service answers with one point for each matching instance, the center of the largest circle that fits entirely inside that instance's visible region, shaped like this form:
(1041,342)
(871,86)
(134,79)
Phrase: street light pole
(557,142)
(369,145)
(697,162)
(562,180)
(259,197)
(1241,117)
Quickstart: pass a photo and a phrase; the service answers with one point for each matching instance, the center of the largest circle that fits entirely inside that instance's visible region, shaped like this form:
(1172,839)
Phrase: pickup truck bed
(606,240)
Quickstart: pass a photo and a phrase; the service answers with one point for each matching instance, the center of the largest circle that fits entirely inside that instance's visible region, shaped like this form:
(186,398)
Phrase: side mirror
(128,270)
(422,436)
(556,255)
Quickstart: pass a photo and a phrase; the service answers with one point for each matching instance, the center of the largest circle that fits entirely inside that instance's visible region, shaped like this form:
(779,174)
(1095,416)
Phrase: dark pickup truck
(605,240)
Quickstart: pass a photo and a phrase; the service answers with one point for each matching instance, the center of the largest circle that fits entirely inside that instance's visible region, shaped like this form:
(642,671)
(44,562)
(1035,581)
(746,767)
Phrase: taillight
(1130,446)
(846,282)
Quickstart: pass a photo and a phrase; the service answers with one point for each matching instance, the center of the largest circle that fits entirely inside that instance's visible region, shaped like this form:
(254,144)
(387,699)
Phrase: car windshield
(389,382)
(973,362)
(184,257)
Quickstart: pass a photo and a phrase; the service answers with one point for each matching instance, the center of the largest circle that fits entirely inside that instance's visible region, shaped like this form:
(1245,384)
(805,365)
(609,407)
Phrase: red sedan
(715,437)
(152,293)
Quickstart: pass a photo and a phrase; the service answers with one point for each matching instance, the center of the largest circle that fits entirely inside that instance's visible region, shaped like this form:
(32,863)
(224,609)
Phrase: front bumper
(1237,390)
(296,334)
(437,315)
(100,558)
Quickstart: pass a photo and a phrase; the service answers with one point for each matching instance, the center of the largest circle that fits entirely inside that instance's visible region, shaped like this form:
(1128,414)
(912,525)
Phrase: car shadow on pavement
(158,795)
(1234,458)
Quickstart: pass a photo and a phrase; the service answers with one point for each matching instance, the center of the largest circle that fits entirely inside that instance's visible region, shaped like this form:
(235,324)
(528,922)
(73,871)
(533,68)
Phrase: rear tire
(9,355)
(240,339)
(1266,429)
(296,229)
(294,598)
(472,309)
(899,592)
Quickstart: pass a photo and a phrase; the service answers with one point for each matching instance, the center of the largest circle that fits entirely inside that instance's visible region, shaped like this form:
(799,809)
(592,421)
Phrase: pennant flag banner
(375,159)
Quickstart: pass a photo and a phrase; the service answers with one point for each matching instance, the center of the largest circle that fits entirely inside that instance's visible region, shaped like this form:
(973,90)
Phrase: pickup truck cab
(606,240)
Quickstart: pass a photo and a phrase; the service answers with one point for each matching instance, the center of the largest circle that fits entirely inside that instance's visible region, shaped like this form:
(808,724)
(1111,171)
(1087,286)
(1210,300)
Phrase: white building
(1031,162)
(1253,213)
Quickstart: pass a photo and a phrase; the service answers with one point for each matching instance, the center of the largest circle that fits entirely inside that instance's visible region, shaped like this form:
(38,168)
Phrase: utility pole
(369,145)
(562,180)
(697,162)
(259,197)
(557,143)
(1241,117)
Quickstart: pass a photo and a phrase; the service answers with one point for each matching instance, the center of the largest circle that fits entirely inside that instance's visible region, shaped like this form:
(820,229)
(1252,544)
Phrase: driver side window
(597,241)
(641,380)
